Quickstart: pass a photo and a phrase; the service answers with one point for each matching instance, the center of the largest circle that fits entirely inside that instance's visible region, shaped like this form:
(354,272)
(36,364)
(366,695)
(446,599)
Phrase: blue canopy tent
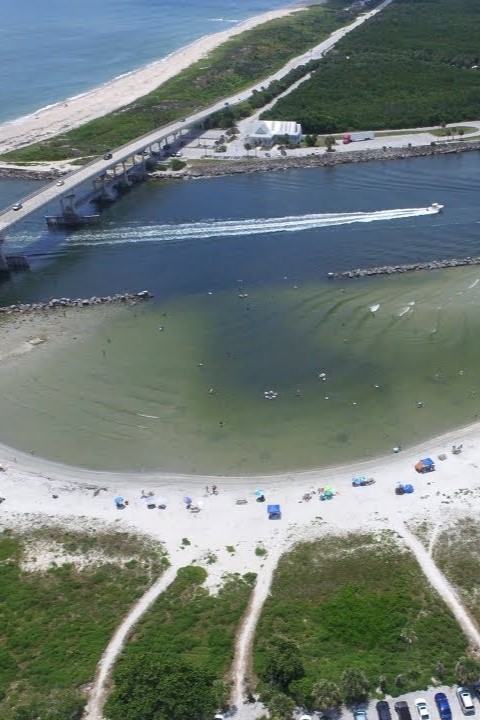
(274,512)
(120,503)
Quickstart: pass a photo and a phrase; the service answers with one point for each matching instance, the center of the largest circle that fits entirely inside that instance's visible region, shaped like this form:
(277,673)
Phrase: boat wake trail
(171,233)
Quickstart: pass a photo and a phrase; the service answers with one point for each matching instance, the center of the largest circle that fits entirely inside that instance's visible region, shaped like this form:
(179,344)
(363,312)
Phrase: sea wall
(326,159)
(62,303)
(222,166)
(395,269)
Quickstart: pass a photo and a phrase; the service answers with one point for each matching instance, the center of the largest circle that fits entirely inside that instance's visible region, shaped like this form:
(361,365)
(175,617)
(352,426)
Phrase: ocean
(238,266)
(51,50)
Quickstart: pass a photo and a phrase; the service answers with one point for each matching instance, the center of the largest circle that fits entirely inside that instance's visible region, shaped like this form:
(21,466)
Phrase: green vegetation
(260,551)
(57,621)
(456,554)
(186,628)
(152,688)
(236,65)
(351,614)
(413,65)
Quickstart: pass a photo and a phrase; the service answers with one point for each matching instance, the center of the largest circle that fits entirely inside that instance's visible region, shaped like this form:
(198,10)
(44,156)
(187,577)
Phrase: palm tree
(461,133)
(354,685)
(326,695)
(448,133)
(329,142)
(247,147)
(281,707)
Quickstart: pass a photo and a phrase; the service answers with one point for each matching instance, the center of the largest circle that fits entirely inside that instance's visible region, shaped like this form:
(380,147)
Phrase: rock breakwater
(62,303)
(214,168)
(395,269)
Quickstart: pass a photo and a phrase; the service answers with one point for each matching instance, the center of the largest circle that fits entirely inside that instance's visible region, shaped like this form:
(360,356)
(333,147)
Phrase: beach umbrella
(259,493)
(187,500)
(119,501)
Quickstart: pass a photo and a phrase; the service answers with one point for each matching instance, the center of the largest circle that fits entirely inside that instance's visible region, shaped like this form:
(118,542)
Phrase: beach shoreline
(72,112)
(41,333)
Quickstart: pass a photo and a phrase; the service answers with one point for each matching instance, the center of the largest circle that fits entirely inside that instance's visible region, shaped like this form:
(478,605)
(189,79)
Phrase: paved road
(87,173)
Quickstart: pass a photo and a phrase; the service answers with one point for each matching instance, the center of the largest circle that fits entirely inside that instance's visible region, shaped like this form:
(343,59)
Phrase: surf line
(393,269)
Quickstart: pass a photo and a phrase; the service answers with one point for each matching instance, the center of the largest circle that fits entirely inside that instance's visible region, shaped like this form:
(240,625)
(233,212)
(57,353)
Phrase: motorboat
(434,208)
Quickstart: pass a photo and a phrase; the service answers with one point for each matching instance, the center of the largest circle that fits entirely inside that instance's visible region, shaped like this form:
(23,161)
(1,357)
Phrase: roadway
(87,173)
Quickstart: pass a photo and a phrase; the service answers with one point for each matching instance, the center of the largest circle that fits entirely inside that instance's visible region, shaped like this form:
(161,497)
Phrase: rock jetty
(395,269)
(62,303)
(224,166)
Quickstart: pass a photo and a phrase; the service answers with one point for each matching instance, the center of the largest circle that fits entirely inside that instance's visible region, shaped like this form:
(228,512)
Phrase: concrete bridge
(128,162)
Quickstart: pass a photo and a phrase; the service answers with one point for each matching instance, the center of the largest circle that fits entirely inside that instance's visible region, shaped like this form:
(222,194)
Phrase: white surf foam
(232,228)
(475,282)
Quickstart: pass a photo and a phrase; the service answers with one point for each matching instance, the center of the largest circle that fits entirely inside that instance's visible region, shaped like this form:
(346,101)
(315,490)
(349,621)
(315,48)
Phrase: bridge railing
(147,138)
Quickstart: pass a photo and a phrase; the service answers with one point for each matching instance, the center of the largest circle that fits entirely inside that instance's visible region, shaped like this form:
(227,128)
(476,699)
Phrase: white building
(270,132)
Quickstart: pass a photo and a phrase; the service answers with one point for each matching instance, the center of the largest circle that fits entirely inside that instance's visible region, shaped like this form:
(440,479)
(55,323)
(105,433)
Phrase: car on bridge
(17,206)
(108,156)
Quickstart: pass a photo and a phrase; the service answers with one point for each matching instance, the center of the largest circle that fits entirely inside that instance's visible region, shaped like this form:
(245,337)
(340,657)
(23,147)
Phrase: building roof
(269,128)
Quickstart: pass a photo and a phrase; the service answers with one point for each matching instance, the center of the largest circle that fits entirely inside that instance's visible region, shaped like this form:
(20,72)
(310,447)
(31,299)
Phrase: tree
(448,133)
(311,140)
(149,687)
(467,670)
(354,685)
(284,663)
(329,142)
(280,707)
(247,147)
(461,133)
(326,695)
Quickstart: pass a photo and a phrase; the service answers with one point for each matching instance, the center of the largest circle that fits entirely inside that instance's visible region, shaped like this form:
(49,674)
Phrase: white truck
(357,136)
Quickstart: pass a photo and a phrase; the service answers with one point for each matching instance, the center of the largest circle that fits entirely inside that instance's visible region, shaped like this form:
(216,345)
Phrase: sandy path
(438,580)
(114,648)
(246,636)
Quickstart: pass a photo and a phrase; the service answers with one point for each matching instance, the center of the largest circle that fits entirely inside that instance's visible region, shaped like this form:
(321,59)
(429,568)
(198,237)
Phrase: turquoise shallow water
(190,397)
(199,245)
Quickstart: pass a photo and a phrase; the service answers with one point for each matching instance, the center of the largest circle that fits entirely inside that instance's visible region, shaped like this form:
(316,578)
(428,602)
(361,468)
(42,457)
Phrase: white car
(422,709)
(466,701)
(17,206)
(60,182)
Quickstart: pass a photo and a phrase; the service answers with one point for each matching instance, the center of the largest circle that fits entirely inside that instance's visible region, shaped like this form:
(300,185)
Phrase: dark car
(383,710)
(107,156)
(403,711)
(443,706)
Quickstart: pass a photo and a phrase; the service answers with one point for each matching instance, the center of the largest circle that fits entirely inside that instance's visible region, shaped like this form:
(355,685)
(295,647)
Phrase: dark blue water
(153,237)
(51,49)
(190,398)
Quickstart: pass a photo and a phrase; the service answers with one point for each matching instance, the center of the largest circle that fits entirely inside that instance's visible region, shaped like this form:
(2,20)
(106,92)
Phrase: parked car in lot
(403,711)
(17,206)
(466,701)
(383,710)
(422,709)
(443,706)
(360,714)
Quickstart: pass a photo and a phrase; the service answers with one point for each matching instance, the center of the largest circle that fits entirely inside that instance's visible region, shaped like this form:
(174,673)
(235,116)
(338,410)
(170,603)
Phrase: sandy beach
(38,493)
(72,112)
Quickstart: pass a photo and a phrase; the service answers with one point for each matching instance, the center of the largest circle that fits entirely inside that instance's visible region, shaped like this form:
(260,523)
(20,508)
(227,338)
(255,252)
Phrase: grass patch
(457,554)
(56,622)
(260,551)
(187,624)
(413,65)
(454,133)
(236,65)
(359,601)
